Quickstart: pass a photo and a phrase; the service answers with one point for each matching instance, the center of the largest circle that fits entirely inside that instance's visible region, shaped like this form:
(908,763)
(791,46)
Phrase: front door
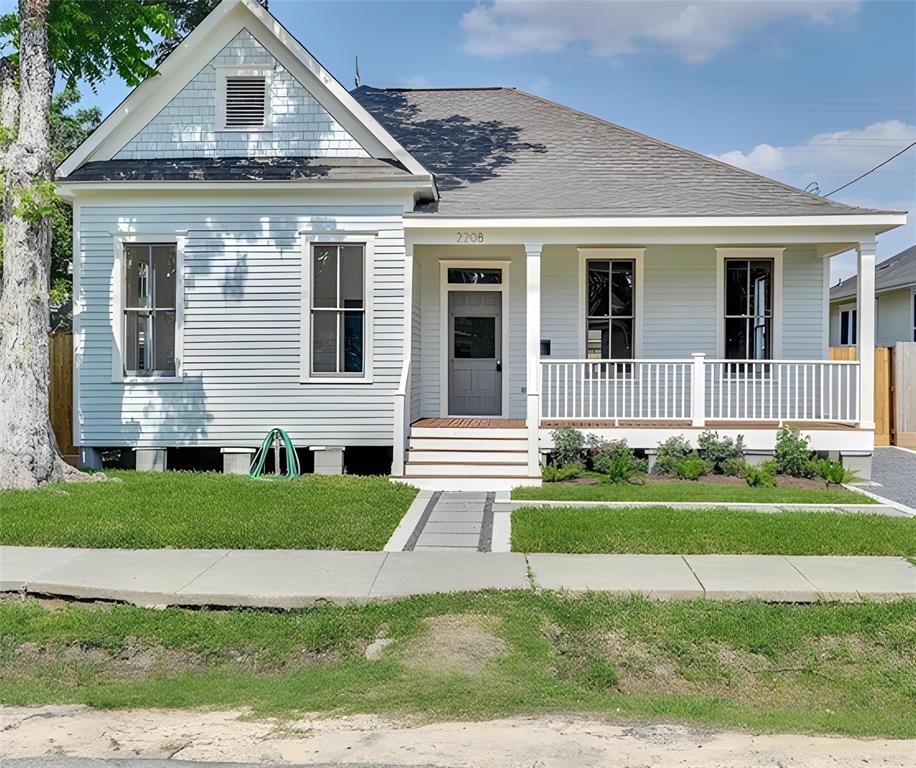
(475,353)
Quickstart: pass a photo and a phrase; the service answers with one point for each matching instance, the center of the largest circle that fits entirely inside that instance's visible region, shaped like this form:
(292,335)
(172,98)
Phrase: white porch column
(533,352)
(865,310)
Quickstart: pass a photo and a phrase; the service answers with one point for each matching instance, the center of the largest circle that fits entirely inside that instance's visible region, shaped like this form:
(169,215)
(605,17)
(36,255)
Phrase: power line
(857,178)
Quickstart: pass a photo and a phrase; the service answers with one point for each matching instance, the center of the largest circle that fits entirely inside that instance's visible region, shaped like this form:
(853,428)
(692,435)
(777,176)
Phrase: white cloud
(693,31)
(414,81)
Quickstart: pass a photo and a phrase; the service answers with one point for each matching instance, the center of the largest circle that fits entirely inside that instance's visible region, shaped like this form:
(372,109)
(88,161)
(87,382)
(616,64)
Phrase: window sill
(335,379)
(148,380)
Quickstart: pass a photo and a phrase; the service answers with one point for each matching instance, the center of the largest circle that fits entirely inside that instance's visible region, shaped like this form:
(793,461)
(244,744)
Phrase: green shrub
(693,467)
(616,461)
(733,467)
(793,456)
(833,472)
(568,445)
(719,452)
(763,476)
(551,473)
(671,453)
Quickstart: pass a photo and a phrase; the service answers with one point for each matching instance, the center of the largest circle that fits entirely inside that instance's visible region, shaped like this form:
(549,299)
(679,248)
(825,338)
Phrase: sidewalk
(289,579)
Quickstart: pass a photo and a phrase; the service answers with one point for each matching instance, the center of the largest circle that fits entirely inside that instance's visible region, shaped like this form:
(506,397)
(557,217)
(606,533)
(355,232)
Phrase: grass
(830,668)
(207,510)
(690,491)
(659,530)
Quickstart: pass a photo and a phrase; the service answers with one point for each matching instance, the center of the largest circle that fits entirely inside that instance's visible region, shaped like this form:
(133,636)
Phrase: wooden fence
(60,396)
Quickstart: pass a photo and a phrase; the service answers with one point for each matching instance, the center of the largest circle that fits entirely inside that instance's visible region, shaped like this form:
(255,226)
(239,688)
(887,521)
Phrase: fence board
(884,390)
(905,393)
(60,395)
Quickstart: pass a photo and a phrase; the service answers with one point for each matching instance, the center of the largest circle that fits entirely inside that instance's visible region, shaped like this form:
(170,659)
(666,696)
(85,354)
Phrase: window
(470,276)
(610,313)
(749,309)
(849,323)
(243,100)
(338,309)
(149,309)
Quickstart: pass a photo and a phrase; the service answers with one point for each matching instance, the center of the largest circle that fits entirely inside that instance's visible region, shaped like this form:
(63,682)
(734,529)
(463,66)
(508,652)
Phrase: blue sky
(799,90)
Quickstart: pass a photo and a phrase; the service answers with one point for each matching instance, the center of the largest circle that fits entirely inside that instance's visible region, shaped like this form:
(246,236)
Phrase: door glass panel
(324,276)
(475,337)
(324,341)
(475,276)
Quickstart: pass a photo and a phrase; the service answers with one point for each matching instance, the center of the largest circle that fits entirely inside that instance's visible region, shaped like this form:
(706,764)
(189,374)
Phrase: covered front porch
(510,338)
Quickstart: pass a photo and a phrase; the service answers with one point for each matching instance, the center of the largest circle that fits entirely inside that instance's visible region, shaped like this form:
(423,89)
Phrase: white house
(443,274)
(895,303)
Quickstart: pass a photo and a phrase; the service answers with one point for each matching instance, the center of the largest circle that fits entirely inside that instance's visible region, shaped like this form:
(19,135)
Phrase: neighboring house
(895,303)
(442,275)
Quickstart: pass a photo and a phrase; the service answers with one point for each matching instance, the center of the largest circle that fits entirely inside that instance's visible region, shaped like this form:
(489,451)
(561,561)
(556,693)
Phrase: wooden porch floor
(466,422)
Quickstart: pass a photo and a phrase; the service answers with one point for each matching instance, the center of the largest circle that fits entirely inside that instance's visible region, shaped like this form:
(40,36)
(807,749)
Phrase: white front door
(475,353)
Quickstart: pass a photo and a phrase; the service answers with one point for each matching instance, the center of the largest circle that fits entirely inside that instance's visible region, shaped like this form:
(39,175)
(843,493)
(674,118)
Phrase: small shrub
(671,453)
(833,472)
(693,467)
(793,456)
(718,452)
(763,476)
(617,462)
(733,467)
(568,445)
(551,473)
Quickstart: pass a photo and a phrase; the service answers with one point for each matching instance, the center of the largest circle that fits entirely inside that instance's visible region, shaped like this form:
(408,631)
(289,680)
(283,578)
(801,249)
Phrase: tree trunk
(29,455)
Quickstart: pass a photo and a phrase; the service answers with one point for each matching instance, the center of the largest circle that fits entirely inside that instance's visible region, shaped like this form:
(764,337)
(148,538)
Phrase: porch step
(467,443)
(476,433)
(468,483)
(465,469)
(462,455)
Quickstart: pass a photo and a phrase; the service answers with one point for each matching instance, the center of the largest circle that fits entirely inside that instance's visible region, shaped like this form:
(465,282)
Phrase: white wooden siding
(241,332)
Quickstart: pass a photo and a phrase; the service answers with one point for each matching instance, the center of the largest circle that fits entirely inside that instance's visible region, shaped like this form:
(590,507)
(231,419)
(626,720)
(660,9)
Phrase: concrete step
(465,469)
(467,443)
(458,455)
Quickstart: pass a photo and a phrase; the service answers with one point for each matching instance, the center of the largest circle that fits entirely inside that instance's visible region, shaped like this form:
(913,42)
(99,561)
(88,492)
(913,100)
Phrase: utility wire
(857,178)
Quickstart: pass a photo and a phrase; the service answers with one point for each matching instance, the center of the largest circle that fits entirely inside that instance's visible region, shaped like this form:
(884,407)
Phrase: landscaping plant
(833,472)
(551,473)
(733,467)
(693,467)
(793,456)
(616,461)
(721,453)
(763,476)
(671,453)
(568,446)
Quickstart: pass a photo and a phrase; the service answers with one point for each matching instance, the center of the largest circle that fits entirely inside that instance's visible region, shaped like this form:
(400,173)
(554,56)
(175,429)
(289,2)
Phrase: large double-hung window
(610,320)
(149,309)
(749,309)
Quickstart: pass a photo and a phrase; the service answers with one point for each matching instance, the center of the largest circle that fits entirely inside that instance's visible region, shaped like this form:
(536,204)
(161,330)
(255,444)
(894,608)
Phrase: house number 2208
(470,237)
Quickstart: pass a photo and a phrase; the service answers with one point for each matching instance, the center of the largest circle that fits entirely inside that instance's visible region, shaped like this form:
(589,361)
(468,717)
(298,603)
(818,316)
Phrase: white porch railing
(697,389)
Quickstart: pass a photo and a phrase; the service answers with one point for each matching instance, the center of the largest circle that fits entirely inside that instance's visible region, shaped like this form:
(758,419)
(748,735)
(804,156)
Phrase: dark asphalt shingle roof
(240,169)
(896,272)
(499,151)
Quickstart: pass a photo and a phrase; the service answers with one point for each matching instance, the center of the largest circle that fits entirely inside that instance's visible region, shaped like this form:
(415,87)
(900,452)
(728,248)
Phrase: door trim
(444,288)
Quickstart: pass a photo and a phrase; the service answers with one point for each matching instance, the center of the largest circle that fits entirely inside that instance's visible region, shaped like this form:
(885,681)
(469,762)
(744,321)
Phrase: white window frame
(222,73)
(776,255)
(913,311)
(118,273)
(308,240)
(636,255)
(854,330)
(445,287)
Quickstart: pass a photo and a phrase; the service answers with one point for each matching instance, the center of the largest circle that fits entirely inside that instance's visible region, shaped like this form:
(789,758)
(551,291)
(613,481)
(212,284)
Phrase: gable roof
(896,272)
(500,151)
(224,22)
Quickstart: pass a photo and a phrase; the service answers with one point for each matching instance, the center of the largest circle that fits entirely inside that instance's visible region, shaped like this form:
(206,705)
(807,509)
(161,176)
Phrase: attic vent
(244,100)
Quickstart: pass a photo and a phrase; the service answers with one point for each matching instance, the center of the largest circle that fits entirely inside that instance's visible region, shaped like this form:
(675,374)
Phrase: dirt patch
(460,644)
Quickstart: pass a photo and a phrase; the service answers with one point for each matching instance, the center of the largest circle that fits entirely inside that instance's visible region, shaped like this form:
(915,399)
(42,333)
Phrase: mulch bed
(782,481)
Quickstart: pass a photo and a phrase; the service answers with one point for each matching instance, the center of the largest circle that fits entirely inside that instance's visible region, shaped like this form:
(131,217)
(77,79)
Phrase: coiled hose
(256,470)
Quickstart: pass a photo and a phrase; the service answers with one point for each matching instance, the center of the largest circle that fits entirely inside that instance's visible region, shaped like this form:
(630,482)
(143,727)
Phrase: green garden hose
(292,459)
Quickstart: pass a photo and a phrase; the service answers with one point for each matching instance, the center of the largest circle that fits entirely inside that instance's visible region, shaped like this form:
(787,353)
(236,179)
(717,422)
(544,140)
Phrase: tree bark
(29,455)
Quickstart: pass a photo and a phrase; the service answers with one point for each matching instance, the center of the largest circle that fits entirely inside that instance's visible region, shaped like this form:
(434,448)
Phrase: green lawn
(207,510)
(832,668)
(662,530)
(689,491)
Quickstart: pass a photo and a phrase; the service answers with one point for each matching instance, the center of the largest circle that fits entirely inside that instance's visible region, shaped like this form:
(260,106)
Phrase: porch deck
(457,422)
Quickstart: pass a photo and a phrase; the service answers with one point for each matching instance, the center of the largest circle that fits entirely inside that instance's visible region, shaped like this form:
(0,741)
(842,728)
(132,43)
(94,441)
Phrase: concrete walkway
(454,520)
(288,579)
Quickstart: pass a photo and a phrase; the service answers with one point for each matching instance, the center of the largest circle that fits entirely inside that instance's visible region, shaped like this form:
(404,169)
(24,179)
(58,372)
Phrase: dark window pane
(736,288)
(855,327)
(163,259)
(479,276)
(164,342)
(760,348)
(324,342)
(597,342)
(844,327)
(761,273)
(352,349)
(475,337)
(136,338)
(598,288)
(136,276)
(324,276)
(736,338)
(351,276)
(622,285)
(621,339)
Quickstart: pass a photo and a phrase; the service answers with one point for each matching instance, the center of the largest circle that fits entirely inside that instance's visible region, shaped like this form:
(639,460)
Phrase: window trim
(119,240)
(913,311)
(308,240)
(636,255)
(222,73)
(854,335)
(776,254)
